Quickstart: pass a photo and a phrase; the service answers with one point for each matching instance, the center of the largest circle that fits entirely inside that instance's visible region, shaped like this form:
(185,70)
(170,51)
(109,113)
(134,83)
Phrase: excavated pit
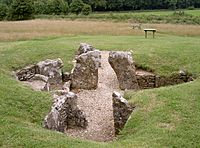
(148,80)
(102,113)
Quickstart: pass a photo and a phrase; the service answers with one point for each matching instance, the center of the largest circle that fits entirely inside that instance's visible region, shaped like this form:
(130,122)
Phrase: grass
(156,16)
(23,30)
(164,117)
(194,12)
(158,54)
(34,29)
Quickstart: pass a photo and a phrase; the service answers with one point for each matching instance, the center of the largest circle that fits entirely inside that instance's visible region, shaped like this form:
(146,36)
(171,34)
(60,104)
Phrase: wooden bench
(149,30)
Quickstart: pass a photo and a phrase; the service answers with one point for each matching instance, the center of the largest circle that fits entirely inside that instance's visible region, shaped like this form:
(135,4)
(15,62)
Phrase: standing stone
(124,67)
(66,86)
(84,48)
(121,111)
(85,73)
(65,114)
(51,69)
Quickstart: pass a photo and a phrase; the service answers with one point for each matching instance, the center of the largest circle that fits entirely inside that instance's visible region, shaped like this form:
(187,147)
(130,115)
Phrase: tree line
(25,9)
(120,5)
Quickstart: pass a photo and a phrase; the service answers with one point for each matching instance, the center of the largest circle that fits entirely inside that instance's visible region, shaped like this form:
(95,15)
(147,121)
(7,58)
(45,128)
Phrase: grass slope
(164,117)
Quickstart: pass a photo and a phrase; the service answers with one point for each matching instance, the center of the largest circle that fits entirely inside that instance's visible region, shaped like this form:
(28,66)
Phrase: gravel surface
(97,105)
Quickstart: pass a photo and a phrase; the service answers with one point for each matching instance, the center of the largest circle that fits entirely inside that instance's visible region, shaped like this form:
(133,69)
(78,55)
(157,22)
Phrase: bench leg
(145,34)
(153,34)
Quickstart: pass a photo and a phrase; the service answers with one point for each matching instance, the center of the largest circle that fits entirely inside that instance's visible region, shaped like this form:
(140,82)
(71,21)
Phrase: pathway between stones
(97,105)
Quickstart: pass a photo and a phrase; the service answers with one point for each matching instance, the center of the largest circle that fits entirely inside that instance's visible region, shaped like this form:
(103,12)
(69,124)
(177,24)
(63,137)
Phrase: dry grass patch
(22,30)
(176,29)
(169,126)
(175,120)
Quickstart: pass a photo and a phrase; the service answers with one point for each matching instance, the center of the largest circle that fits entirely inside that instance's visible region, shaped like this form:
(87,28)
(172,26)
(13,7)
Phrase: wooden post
(145,34)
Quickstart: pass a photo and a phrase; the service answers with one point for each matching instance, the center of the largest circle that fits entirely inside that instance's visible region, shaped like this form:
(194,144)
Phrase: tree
(3,11)
(21,10)
(41,7)
(183,3)
(115,4)
(172,4)
(197,3)
(7,2)
(86,9)
(68,1)
(51,7)
(76,6)
(58,7)
(96,4)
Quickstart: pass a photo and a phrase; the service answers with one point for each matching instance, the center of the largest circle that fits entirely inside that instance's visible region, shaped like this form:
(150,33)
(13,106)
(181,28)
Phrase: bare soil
(143,73)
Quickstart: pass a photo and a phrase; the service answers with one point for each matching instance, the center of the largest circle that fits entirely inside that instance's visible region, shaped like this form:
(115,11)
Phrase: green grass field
(153,16)
(195,12)
(164,117)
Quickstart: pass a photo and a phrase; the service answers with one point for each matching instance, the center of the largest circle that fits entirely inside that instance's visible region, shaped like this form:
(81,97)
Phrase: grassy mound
(164,117)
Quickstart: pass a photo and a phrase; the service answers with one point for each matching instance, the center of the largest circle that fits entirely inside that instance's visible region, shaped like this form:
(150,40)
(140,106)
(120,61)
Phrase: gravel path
(97,105)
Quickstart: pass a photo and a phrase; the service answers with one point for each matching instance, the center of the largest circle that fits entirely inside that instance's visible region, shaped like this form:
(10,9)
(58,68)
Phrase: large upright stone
(124,67)
(65,114)
(84,48)
(51,69)
(121,111)
(85,73)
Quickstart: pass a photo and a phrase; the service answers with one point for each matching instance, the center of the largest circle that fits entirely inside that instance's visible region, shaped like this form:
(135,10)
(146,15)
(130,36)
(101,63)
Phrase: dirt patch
(175,120)
(141,72)
(169,126)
